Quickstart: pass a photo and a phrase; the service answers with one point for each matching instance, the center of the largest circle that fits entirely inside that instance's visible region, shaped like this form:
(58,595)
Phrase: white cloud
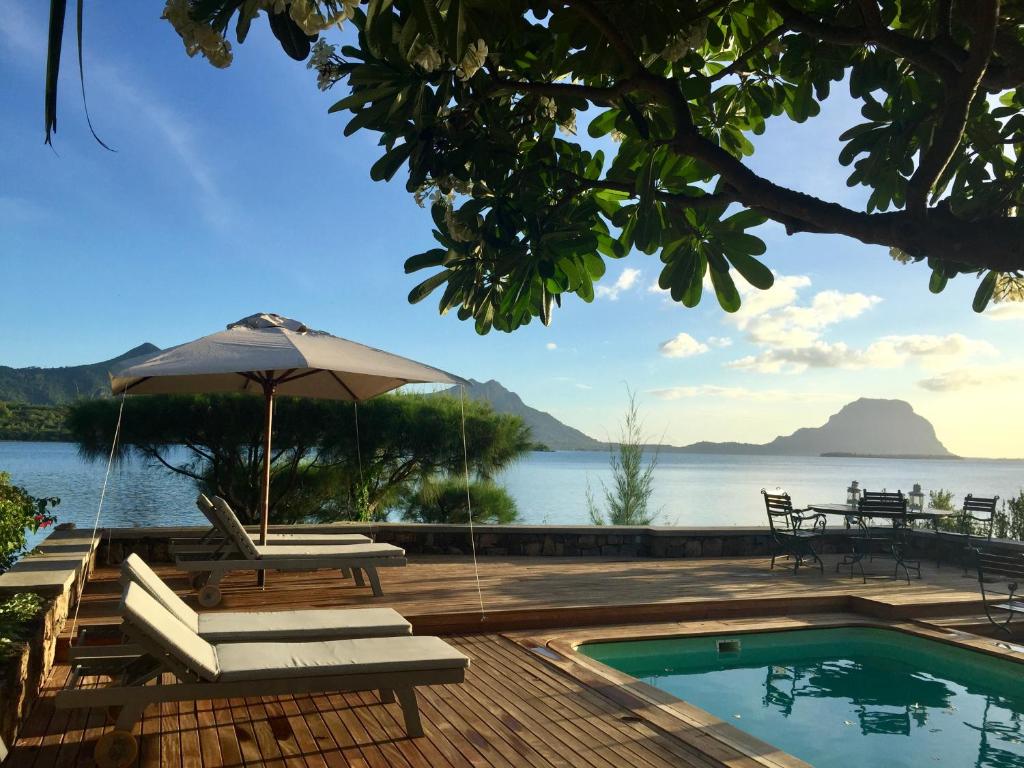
(801,326)
(735,393)
(974,378)
(682,345)
(757,302)
(551,346)
(1013,310)
(719,342)
(657,289)
(625,281)
(887,352)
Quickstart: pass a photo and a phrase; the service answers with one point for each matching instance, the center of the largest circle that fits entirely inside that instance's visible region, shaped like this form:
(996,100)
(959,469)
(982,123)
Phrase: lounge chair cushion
(316,551)
(136,569)
(232,527)
(268,661)
(145,614)
(238,627)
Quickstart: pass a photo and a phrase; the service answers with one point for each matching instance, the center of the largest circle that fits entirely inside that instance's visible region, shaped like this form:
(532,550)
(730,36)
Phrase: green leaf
(938,281)
(753,271)
(424,289)
(985,290)
(603,123)
(385,167)
(433,258)
(725,290)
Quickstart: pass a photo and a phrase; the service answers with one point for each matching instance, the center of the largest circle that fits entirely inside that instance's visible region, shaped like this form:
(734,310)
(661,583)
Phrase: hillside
(865,427)
(57,386)
(545,428)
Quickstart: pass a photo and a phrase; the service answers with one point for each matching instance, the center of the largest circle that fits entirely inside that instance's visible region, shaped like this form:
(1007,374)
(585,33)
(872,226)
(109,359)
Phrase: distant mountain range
(57,386)
(545,428)
(865,427)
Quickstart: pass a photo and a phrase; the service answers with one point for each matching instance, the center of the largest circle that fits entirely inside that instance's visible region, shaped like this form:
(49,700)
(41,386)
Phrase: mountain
(865,427)
(55,386)
(545,428)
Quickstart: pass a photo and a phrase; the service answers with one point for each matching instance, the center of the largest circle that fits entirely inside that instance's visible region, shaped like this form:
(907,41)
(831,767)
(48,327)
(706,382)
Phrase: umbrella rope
(469,502)
(103,496)
(359,463)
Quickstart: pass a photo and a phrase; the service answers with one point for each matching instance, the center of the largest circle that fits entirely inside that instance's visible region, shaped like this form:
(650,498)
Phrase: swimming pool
(843,696)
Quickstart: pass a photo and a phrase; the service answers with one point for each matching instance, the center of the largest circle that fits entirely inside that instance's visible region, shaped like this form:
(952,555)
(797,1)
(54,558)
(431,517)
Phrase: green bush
(16,614)
(444,501)
(1009,521)
(20,513)
(627,501)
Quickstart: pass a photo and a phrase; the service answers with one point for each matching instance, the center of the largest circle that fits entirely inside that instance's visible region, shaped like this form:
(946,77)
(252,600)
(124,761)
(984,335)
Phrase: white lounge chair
(217,540)
(249,626)
(245,555)
(390,665)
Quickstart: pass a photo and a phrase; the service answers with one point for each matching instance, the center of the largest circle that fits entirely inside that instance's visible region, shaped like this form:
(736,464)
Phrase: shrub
(626,503)
(444,501)
(1009,521)
(20,513)
(16,614)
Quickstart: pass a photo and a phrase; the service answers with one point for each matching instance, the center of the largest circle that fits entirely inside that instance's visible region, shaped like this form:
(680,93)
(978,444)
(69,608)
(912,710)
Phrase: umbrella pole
(268,423)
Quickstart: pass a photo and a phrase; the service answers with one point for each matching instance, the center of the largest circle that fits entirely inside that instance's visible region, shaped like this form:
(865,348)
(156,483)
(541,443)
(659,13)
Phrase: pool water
(845,696)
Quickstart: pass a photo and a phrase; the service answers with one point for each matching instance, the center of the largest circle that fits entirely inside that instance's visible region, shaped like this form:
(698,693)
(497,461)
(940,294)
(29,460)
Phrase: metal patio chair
(790,537)
(1001,578)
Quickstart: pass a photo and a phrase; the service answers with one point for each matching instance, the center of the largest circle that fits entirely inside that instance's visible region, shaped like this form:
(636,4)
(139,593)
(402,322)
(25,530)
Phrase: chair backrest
(882,502)
(149,623)
(206,507)
(779,507)
(995,567)
(234,530)
(981,510)
(135,570)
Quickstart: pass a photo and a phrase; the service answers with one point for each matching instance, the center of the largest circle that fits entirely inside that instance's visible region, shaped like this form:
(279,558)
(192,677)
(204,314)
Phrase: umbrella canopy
(270,355)
(297,360)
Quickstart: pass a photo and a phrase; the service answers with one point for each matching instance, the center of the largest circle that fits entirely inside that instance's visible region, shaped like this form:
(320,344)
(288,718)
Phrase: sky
(233,192)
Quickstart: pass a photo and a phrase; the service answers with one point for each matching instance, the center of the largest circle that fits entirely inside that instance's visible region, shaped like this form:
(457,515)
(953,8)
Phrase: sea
(550,488)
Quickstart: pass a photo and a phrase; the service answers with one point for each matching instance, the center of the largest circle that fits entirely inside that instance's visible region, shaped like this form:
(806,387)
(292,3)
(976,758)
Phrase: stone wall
(56,571)
(502,540)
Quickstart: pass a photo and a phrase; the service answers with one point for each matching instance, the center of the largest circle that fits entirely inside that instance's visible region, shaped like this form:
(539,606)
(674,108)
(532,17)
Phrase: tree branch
(611,32)
(756,46)
(673,199)
(959,95)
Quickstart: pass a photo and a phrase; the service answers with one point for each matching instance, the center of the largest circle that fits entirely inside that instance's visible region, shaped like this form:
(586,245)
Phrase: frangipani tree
(476,103)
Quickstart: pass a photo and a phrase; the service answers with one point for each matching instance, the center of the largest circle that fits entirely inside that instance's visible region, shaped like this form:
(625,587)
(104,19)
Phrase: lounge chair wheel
(199,580)
(116,749)
(209,596)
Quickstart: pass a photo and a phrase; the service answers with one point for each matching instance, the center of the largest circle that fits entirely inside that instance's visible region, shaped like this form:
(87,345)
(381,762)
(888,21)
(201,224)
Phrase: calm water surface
(550,488)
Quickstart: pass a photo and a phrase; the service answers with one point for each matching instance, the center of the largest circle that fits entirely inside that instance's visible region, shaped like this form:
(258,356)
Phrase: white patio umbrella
(270,355)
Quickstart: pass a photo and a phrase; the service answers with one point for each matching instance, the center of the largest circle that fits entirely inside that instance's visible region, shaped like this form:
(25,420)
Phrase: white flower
(476,56)
(197,36)
(618,136)
(424,56)
(349,8)
(321,56)
(548,107)
(569,126)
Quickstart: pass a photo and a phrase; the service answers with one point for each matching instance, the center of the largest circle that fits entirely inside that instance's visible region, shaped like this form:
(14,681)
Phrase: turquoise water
(844,697)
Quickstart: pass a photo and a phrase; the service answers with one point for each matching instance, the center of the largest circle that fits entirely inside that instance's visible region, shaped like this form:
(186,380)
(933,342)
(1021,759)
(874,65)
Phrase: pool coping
(560,648)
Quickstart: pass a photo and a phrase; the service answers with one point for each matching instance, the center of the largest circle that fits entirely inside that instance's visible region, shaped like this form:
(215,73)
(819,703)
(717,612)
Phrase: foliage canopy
(476,103)
(319,468)
(20,514)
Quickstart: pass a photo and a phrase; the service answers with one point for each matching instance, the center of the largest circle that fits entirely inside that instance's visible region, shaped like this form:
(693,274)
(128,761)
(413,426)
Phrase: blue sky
(233,191)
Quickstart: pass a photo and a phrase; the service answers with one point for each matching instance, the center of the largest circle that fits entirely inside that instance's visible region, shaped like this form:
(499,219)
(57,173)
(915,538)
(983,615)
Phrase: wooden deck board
(514,708)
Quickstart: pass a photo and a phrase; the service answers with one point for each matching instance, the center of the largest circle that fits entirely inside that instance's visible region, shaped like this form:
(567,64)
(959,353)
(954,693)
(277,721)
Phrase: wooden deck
(515,708)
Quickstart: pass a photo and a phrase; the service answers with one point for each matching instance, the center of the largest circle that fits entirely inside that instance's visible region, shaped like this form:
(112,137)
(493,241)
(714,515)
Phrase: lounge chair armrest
(801,516)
